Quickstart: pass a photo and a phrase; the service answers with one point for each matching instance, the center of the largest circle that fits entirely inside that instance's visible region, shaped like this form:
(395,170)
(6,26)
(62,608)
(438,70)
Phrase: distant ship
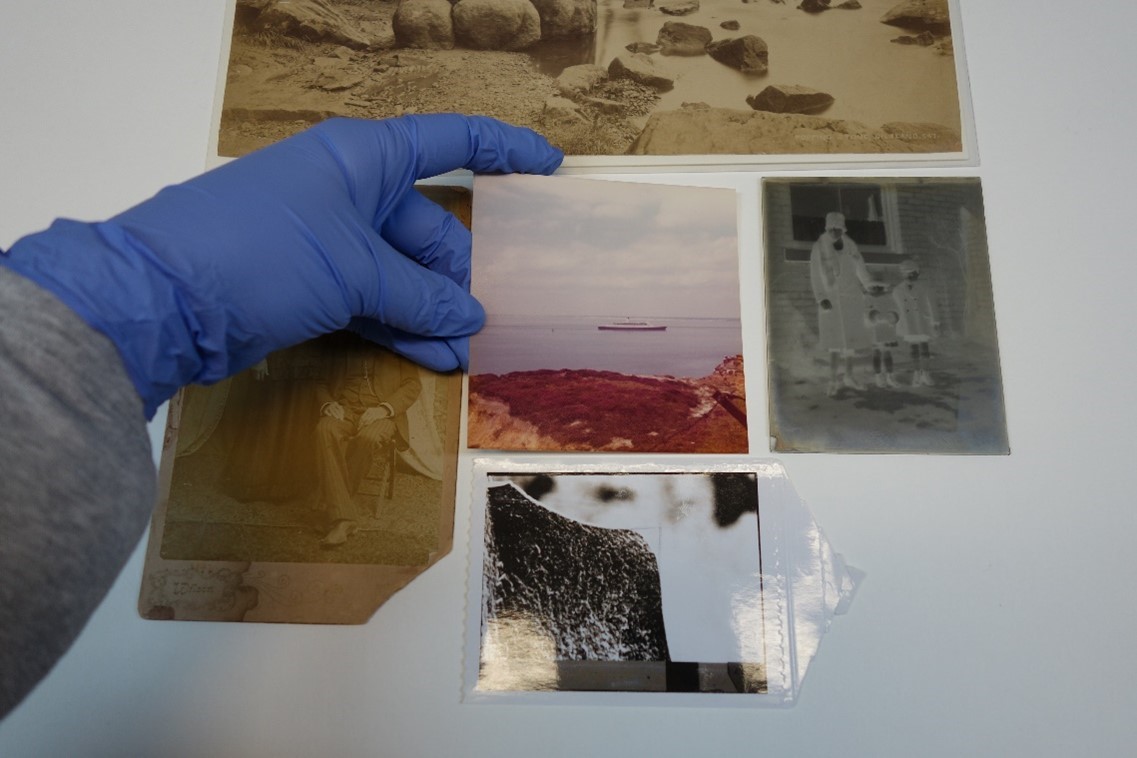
(628,325)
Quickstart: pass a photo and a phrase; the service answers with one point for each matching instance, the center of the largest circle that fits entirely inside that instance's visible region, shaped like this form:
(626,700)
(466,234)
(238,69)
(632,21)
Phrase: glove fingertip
(435,355)
(476,315)
(461,348)
(519,149)
(453,312)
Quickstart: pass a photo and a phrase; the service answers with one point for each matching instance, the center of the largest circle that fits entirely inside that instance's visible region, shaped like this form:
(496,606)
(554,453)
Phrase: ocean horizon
(689,347)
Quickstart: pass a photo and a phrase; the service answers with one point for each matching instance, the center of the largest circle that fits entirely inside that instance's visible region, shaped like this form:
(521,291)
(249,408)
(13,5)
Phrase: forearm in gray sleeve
(77,480)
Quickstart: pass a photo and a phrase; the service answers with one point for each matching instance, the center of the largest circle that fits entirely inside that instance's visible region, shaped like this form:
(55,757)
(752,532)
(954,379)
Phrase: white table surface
(996,617)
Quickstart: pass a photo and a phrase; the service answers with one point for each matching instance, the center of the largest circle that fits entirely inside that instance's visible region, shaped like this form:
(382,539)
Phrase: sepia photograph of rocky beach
(610,77)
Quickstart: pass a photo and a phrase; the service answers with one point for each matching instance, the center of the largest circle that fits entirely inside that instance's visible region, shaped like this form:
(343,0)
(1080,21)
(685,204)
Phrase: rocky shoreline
(697,129)
(585,410)
(294,64)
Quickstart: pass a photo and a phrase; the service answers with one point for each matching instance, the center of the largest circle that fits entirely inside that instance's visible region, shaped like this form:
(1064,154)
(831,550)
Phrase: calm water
(847,53)
(689,347)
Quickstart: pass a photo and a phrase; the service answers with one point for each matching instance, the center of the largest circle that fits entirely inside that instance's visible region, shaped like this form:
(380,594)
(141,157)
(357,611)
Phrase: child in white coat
(882,319)
(917,324)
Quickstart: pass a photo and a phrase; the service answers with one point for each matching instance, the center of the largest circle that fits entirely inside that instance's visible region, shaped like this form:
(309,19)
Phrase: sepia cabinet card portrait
(633,83)
(309,488)
(273,509)
(881,317)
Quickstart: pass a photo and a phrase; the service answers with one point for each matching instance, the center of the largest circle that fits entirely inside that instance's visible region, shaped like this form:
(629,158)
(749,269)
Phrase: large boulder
(310,20)
(748,54)
(923,39)
(246,11)
(932,15)
(642,47)
(814,6)
(496,24)
(642,69)
(424,24)
(566,18)
(790,98)
(679,7)
(561,110)
(575,81)
(678,38)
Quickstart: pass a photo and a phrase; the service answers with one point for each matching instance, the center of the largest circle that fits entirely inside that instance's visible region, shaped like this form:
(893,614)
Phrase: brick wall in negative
(790,302)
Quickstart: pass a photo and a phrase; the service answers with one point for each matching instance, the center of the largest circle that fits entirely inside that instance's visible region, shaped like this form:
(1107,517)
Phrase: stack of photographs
(613,326)
(629,550)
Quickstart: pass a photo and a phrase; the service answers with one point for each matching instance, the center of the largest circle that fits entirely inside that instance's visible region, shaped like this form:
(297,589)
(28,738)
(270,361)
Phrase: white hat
(835,220)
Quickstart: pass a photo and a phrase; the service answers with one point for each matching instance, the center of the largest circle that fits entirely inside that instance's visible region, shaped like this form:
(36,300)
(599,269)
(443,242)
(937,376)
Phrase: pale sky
(547,246)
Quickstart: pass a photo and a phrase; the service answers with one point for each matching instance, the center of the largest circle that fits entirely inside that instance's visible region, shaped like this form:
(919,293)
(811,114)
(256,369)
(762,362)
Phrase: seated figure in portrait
(363,408)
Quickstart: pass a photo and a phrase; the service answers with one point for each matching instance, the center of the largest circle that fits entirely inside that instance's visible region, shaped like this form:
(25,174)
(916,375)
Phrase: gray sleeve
(77,481)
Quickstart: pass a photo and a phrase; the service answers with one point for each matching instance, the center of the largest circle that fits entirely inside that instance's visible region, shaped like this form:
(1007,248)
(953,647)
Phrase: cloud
(572,246)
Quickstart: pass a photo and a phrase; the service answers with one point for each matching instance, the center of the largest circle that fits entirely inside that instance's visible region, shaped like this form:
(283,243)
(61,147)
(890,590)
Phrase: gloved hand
(321,231)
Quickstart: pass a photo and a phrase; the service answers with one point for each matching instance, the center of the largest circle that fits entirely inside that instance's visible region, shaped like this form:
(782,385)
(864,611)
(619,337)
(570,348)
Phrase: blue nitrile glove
(319,232)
